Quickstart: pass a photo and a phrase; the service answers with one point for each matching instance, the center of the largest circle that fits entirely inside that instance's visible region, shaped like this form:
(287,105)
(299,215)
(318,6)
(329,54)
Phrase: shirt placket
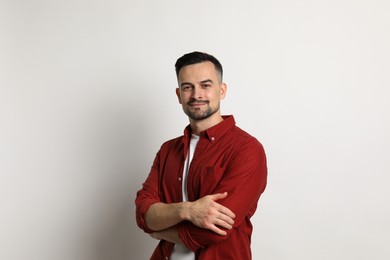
(200,152)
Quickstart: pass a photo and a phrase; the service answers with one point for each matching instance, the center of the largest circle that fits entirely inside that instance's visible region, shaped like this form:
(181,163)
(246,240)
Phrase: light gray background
(87,97)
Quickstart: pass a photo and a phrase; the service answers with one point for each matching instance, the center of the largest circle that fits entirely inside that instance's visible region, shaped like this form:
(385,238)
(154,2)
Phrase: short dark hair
(198,57)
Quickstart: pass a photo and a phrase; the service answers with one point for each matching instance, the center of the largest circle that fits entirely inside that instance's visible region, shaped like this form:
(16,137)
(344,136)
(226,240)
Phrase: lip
(197,104)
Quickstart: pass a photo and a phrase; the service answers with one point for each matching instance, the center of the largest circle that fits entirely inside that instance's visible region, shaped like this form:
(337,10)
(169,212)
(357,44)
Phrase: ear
(178,94)
(223,90)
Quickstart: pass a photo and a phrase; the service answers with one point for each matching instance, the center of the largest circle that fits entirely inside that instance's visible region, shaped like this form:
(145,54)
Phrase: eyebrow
(201,82)
(185,84)
(206,81)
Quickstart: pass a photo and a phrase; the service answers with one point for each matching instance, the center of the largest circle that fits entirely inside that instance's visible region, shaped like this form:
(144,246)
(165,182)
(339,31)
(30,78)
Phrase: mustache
(194,101)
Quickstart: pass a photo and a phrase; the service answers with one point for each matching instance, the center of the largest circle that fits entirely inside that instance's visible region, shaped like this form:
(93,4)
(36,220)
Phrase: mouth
(197,103)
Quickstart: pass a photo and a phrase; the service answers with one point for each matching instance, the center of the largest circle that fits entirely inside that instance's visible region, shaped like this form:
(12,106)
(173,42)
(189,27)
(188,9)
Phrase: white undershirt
(180,252)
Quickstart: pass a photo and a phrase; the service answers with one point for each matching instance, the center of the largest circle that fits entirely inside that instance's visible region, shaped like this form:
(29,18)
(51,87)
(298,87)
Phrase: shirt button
(213,138)
(179,178)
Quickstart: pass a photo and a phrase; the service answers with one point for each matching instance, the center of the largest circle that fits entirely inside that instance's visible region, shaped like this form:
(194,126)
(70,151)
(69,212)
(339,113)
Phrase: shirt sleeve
(244,179)
(148,195)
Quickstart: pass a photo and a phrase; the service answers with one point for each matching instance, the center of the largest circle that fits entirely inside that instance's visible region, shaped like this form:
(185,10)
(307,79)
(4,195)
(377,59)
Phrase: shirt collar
(214,133)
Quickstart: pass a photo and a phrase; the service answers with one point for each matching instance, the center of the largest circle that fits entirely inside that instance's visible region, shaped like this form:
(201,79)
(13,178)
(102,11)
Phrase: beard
(198,114)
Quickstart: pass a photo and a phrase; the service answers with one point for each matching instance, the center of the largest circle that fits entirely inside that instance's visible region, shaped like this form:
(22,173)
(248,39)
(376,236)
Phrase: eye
(186,87)
(206,85)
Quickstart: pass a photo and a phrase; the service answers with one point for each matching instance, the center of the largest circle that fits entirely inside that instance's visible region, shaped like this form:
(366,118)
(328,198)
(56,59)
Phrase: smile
(197,103)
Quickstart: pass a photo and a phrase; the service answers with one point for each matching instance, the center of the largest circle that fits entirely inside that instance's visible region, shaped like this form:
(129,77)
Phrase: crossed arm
(207,215)
(204,213)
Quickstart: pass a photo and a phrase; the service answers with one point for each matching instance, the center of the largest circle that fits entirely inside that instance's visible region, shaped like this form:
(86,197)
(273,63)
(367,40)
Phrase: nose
(197,93)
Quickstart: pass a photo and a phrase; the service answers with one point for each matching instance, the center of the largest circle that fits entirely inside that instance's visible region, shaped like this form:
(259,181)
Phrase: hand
(207,213)
(154,235)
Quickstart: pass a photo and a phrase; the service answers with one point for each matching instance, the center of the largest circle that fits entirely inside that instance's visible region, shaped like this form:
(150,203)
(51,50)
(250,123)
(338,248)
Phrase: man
(204,186)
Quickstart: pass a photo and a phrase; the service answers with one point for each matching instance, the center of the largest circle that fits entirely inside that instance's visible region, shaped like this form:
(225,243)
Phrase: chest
(205,172)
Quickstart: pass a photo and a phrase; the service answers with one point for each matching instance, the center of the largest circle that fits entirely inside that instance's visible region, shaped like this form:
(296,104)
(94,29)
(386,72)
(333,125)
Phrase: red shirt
(226,159)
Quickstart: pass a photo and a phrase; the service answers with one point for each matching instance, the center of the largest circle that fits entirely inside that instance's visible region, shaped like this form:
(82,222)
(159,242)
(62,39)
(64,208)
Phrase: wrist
(184,211)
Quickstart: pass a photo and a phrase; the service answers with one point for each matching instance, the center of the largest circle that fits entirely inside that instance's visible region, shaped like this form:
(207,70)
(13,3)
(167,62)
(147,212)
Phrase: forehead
(198,72)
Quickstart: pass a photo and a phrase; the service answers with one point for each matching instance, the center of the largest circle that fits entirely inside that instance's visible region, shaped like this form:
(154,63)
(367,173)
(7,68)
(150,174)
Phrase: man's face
(200,90)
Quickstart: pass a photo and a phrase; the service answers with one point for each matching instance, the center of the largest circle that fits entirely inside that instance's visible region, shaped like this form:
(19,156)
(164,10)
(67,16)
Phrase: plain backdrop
(87,96)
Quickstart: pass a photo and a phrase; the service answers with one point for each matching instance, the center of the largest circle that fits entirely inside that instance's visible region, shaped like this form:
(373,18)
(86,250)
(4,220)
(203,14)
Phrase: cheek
(183,98)
(180,97)
(215,96)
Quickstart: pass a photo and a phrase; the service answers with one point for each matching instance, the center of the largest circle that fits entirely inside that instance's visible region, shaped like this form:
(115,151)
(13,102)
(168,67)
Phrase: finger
(226,211)
(217,230)
(218,196)
(226,219)
(223,223)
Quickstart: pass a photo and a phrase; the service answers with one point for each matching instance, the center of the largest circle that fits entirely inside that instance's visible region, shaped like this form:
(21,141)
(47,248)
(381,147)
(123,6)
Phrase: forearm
(169,235)
(161,216)
(204,213)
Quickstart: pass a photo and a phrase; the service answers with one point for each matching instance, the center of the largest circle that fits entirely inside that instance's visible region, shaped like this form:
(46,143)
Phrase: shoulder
(245,140)
(172,143)
(247,151)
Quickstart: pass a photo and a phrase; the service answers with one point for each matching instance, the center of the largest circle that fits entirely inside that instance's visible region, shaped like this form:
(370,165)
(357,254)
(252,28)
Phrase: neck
(198,126)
